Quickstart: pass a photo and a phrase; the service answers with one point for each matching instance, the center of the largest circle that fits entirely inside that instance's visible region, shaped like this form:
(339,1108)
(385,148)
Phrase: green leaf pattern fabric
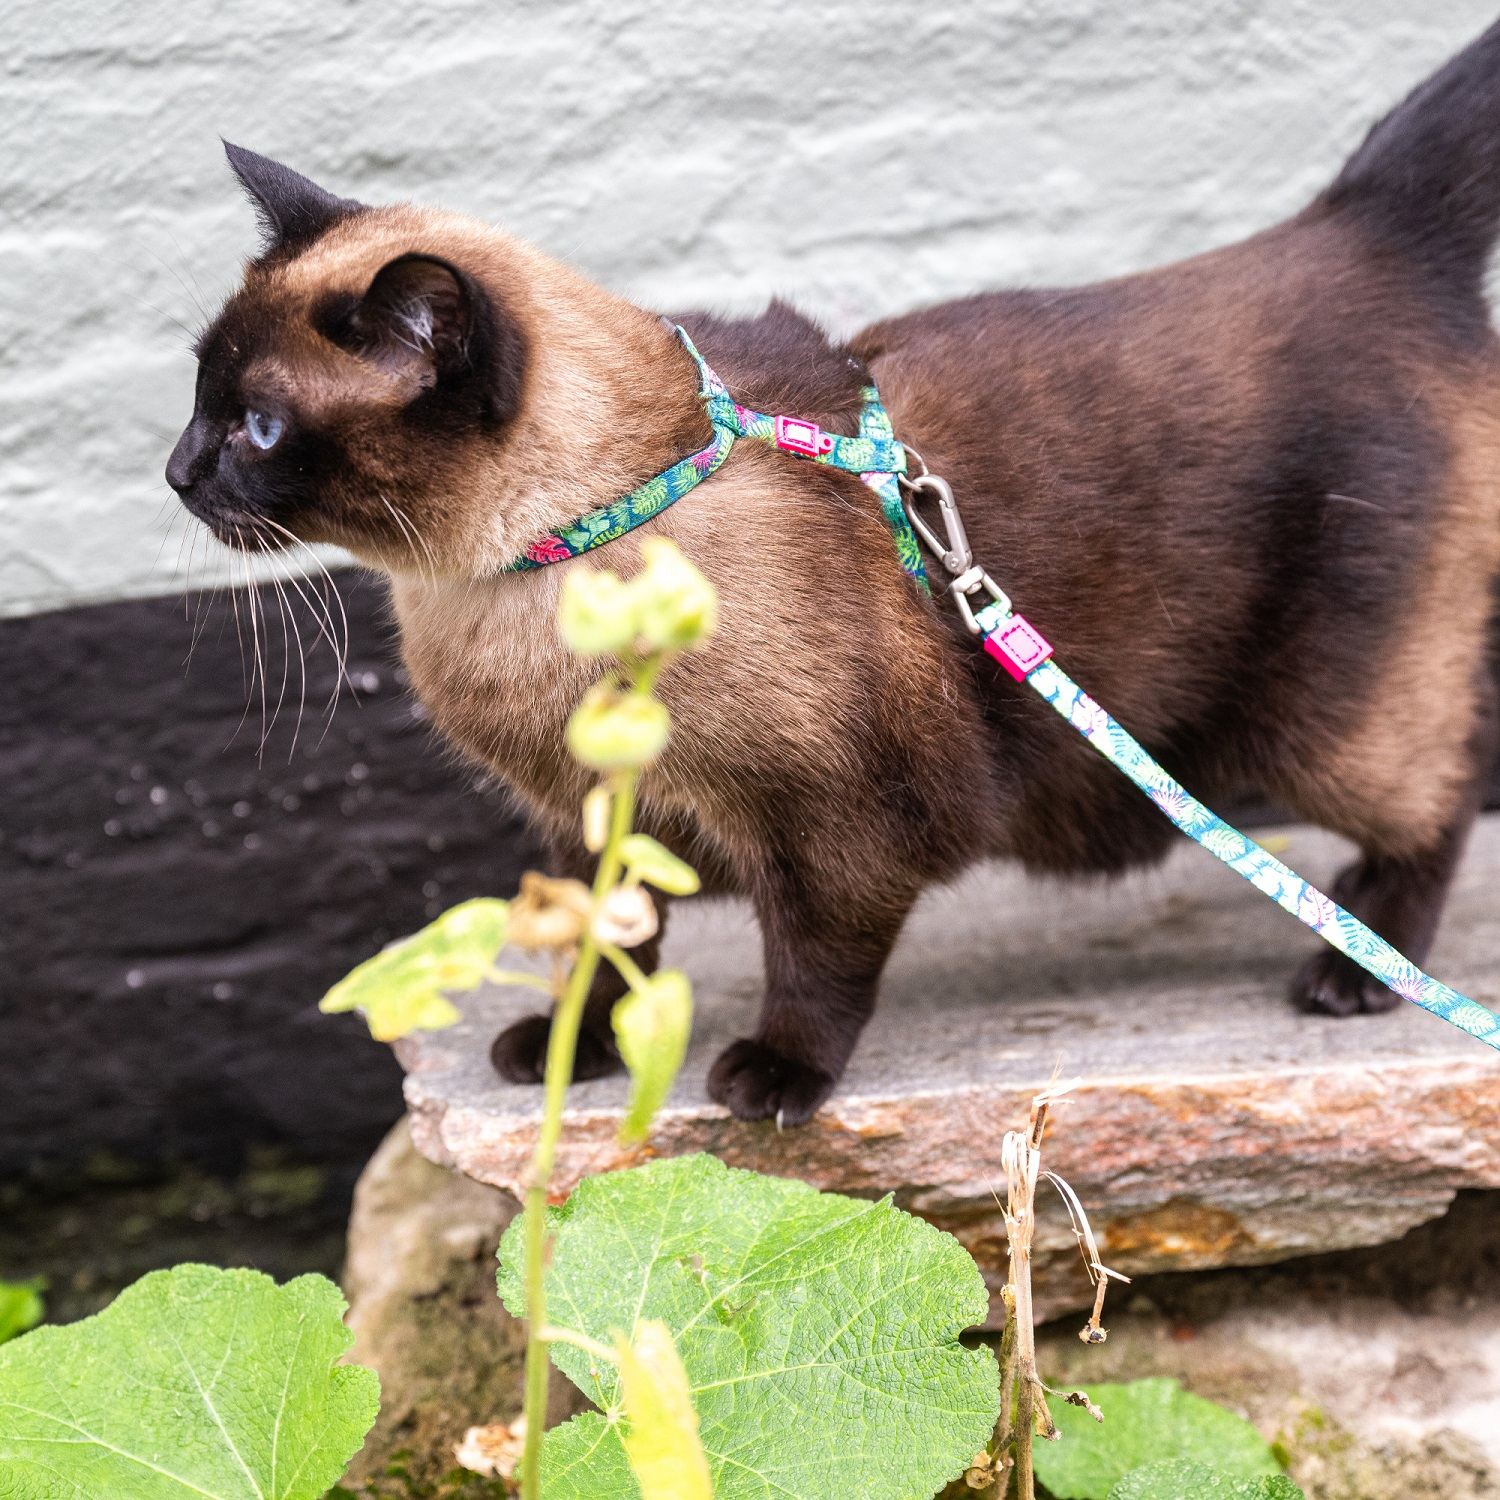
(874,454)
(1244,856)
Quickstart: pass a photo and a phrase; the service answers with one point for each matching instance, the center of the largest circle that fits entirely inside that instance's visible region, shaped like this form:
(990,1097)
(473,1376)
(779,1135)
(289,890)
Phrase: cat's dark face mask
(315,399)
(248,465)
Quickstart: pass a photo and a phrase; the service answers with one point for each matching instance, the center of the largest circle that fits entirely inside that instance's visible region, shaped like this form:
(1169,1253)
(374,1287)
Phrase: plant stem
(1025,1428)
(630,971)
(1001,1438)
(562,1044)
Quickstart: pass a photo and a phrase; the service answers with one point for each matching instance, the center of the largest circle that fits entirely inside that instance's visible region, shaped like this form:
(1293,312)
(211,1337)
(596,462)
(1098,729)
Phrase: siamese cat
(1253,499)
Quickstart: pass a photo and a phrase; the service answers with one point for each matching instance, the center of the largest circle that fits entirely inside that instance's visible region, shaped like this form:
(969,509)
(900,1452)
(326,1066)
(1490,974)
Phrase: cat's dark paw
(755,1082)
(1329,984)
(519,1054)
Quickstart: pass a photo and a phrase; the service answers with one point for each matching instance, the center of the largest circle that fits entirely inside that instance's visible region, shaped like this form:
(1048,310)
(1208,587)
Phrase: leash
(1027,656)
(880,461)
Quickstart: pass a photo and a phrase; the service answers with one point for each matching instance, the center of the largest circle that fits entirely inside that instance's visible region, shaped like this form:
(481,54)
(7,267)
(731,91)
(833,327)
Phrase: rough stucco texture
(860,158)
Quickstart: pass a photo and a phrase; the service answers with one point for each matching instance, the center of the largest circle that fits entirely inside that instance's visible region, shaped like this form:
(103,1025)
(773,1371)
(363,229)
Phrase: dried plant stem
(1000,1441)
(1020,1385)
(562,1044)
(1025,1428)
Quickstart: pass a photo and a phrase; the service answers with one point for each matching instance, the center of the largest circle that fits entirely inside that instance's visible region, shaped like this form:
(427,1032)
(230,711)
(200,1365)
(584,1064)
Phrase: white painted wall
(859,157)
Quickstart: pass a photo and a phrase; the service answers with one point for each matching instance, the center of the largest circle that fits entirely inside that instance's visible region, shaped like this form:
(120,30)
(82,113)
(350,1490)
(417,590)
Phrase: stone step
(1212,1124)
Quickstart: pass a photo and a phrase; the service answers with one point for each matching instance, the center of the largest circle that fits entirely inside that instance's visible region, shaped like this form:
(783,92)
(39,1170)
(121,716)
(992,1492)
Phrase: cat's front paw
(519,1054)
(1329,984)
(755,1082)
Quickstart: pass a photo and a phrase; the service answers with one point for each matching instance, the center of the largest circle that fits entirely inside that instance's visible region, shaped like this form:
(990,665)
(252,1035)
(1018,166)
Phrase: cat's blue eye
(261,429)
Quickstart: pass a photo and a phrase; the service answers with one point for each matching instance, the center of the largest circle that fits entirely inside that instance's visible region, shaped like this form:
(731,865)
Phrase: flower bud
(597,614)
(626,917)
(676,605)
(613,730)
(597,807)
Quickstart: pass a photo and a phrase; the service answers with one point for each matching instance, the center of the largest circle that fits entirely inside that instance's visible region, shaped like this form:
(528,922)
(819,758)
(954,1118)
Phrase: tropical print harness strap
(874,455)
(880,461)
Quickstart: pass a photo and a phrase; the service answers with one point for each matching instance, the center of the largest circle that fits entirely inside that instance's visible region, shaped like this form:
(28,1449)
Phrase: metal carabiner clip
(955,555)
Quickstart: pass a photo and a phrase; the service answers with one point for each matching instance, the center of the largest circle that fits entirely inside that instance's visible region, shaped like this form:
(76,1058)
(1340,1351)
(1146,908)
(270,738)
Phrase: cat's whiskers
(286,643)
(246,682)
(337,643)
(253,604)
(409,527)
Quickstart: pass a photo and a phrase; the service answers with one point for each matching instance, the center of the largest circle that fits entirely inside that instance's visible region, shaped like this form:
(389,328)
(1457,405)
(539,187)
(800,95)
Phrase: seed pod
(613,730)
(626,917)
(597,614)
(677,605)
(549,913)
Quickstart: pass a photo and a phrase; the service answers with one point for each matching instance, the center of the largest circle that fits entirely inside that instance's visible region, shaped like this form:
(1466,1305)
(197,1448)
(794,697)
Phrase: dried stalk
(1010,1448)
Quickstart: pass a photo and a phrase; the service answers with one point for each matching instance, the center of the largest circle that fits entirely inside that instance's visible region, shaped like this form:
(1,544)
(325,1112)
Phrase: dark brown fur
(1253,499)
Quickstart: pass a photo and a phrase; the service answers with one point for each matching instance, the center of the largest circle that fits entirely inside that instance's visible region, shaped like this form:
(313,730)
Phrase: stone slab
(1212,1126)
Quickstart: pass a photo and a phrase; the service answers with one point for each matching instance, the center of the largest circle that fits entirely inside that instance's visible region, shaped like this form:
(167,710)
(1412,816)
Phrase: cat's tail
(1427,177)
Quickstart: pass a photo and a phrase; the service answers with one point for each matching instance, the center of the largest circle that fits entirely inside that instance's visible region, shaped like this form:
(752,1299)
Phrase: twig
(1021,1156)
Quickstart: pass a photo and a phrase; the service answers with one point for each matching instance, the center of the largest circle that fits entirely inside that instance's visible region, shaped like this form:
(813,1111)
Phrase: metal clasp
(954,554)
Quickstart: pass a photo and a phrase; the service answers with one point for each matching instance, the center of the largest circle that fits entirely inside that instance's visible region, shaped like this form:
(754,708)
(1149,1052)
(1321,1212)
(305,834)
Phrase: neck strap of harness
(874,455)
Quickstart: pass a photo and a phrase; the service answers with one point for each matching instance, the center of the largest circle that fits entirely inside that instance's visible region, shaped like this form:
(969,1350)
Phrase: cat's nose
(192,457)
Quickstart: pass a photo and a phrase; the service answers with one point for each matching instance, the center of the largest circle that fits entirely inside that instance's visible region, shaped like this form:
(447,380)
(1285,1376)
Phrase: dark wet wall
(174,898)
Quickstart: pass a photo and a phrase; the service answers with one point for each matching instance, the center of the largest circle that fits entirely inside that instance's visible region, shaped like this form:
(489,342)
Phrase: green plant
(194,1382)
(20,1306)
(1144,1423)
(742,1335)
(811,1327)
(1181,1479)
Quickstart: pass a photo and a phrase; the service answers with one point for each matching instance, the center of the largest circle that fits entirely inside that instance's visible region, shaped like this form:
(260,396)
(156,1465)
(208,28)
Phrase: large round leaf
(820,1334)
(193,1384)
(1181,1479)
(1145,1422)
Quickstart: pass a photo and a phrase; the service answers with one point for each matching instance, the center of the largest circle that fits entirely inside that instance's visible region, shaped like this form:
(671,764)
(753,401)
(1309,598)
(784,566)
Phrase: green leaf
(652,1025)
(1144,1422)
(820,1334)
(1181,1479)
(647,860)
(20,1306)
(401,989)
(192,1383)
(661,1438)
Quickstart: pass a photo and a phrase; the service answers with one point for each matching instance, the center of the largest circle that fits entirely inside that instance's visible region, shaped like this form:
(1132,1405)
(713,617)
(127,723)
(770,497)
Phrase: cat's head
(409,384)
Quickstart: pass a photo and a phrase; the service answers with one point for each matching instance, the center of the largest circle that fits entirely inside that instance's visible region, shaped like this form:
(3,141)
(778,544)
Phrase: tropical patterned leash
(1020,648)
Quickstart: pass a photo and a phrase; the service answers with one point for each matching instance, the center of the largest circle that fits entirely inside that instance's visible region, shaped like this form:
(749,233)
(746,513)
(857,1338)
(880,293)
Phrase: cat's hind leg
(1399,896)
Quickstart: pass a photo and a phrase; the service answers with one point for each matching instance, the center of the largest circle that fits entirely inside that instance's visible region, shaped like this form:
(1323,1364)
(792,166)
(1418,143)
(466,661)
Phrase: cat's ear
(292,210)
(418,316)
(429,322)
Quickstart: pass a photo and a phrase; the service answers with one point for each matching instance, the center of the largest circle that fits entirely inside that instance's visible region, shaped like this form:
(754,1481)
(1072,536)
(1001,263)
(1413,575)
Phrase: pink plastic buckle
(806,438)
(1018,646)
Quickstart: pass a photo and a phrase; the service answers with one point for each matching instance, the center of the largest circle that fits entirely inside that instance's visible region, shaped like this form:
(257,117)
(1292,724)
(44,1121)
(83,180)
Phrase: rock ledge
(1213,1126)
